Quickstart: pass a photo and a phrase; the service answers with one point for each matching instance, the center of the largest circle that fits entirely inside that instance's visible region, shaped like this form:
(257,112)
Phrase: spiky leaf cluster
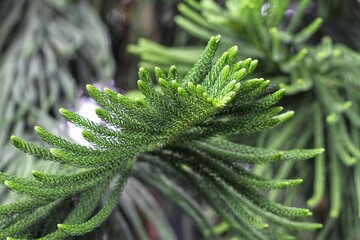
(171,135)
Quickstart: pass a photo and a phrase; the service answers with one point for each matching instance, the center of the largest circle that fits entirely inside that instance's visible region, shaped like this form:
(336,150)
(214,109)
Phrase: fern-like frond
(174,134)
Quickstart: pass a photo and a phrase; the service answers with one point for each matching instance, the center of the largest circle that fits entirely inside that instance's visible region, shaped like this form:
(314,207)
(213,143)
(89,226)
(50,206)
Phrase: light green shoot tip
(36,173)
(38,129)
(217,37)
(285,116)
(63,111)
(9,184)
(89,87)
(308,213)
(14,138)
(61,226)
(55,151)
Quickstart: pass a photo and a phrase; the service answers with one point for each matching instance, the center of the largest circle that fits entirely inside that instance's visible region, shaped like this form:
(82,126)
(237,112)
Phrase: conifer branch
(173,132)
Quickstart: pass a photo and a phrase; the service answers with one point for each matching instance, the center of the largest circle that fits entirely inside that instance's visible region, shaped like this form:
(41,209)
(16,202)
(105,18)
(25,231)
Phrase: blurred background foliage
(50,49)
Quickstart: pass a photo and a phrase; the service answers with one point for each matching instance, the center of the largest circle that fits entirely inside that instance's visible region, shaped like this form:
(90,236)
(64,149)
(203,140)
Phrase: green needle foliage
(322,83)
(171,137)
